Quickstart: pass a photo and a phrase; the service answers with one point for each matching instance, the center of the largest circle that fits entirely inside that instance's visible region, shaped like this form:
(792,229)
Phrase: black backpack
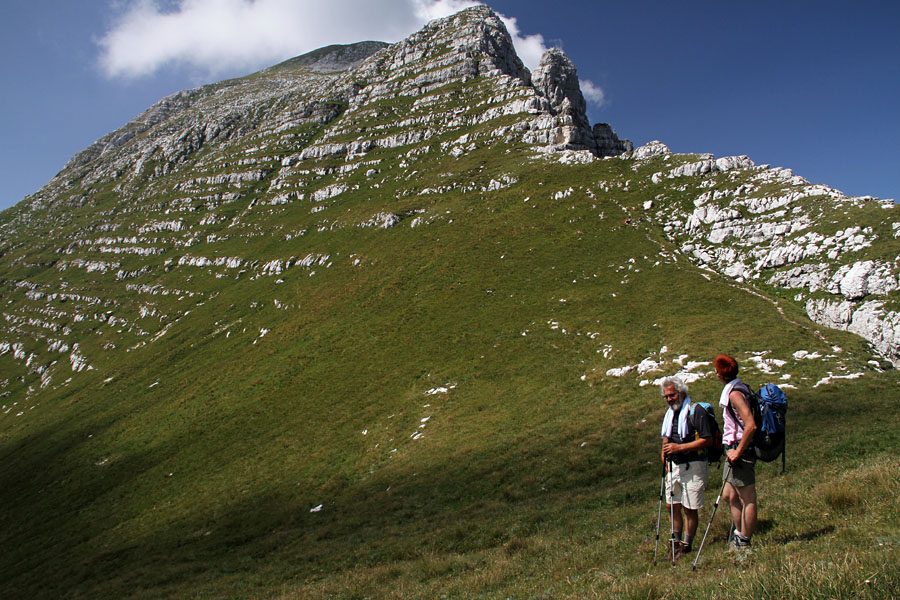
(769,408)
(714,452)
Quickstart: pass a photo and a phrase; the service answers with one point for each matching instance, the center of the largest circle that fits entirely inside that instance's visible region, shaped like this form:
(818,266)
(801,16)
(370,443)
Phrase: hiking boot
(737,543)
(681,548)
(677,550)
(669,555)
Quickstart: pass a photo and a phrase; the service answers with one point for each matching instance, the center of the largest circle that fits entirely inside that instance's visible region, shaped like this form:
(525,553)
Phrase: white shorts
(689,484)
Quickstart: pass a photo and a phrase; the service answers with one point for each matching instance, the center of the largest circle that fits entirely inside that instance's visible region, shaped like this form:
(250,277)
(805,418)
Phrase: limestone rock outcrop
(746,232)
(650,149)
(556,80)
(608,143)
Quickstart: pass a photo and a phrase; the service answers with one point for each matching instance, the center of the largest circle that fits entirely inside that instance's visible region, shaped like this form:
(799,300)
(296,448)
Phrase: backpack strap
(783,453)
(744,389)
(747,392)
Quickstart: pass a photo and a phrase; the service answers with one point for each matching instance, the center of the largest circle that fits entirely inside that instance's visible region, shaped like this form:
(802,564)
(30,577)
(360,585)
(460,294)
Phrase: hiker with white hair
(688,429)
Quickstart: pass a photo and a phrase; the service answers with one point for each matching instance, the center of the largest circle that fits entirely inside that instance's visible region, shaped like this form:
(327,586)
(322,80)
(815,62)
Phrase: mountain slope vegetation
(393,330)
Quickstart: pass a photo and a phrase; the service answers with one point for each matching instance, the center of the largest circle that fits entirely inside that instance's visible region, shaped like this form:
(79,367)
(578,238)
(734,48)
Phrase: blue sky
(808,85)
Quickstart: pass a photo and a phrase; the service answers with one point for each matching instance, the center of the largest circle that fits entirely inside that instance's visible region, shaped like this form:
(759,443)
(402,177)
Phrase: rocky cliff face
(252,179)
(776,229)
(556,80)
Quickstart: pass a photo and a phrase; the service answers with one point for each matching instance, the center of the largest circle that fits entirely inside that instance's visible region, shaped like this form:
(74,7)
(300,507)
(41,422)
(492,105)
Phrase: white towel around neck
(666,431)
(726,391)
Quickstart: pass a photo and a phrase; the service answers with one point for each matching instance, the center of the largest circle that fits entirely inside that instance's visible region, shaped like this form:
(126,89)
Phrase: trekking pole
(662,488)
(672,512)
(715,508)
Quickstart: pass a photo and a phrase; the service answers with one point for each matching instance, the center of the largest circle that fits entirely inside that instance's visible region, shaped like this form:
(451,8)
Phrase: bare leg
(677,521)
(734,502)
(691,519)
(748,515)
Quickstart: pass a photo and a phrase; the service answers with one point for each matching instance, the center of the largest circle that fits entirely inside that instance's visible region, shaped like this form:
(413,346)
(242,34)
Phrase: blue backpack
(769,408)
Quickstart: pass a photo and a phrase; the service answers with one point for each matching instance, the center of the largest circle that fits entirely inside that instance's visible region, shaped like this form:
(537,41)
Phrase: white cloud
(215,36)
(212,37)
(592,93)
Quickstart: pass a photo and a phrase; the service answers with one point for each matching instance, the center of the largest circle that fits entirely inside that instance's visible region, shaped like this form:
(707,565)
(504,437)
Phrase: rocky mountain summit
(253,177)
(327,83)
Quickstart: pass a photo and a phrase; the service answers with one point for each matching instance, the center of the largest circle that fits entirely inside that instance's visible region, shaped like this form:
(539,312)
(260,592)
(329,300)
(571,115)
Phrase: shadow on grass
(452,506)
(764,525)
(50,486)
(455,504)
(806,537)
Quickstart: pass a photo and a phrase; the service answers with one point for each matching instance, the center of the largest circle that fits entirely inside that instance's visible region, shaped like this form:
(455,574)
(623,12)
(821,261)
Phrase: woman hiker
(737,436)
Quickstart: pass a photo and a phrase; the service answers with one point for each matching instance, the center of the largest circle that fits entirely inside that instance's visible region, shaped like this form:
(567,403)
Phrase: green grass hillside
(441,392)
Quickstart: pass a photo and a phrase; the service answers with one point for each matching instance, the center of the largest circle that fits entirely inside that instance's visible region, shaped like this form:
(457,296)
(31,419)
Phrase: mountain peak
(334,58)
(471,43)
(476,43)
(475,37)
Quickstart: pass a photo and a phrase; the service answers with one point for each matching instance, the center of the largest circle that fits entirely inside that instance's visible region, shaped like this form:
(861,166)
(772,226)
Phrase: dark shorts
(741,473)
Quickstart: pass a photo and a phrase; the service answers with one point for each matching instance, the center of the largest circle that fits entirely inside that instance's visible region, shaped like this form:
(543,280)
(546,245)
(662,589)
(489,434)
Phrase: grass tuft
(515,545)
(840,497)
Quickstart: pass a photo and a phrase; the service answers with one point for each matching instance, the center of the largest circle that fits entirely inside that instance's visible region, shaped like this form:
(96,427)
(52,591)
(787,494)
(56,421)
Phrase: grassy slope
(528,481)
(189,467)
